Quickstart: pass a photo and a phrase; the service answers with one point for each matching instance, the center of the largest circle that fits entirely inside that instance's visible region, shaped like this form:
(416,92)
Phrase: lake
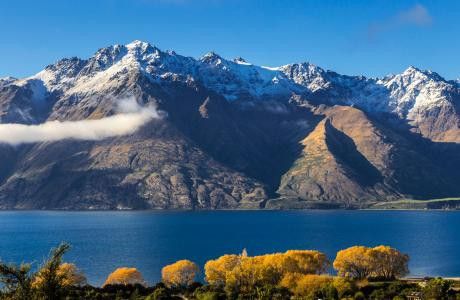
(103,241)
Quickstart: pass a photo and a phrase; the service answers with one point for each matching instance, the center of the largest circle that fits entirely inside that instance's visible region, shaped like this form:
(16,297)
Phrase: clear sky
(353,37)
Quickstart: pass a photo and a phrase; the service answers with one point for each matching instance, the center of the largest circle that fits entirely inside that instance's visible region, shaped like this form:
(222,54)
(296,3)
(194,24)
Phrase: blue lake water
(103,241)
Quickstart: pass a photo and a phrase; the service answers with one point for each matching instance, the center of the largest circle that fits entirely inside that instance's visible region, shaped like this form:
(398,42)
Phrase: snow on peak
(411,70)
(112,66)
(306,74)
(415,90)
(137,44)
(7,80)
(240,79)
(241,61)
(211,58)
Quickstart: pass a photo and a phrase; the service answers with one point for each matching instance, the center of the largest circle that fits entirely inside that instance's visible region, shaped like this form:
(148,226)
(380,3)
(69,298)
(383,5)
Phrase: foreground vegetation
(362,273)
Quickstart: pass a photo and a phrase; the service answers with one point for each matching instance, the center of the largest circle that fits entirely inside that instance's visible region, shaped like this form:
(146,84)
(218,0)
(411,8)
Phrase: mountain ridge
(254,128)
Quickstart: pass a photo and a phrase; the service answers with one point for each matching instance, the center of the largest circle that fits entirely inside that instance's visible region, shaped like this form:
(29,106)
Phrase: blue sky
(353,37)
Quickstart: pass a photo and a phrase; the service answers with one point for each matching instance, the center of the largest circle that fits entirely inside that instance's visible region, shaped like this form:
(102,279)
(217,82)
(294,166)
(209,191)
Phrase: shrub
(436,288)
(359,296)
(159,294)
(208,295)
(16,281)
(378,294)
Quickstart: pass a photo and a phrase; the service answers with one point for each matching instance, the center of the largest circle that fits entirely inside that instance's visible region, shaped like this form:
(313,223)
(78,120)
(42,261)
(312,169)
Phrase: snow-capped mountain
(232,79)
(409,95)
(233,133)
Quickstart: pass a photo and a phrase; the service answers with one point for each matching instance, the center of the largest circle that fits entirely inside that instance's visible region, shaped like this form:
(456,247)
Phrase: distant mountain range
(230,135)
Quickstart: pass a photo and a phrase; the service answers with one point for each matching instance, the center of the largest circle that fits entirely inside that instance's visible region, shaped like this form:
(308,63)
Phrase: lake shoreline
(297,204)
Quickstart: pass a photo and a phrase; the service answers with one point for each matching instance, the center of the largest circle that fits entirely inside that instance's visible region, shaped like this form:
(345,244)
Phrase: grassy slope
(452,203)
(295,203)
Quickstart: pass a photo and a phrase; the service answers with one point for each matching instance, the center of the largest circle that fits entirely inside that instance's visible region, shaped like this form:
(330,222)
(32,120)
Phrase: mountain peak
(211,57)
(412,71)
(7,79)
(241,61)
(138,44)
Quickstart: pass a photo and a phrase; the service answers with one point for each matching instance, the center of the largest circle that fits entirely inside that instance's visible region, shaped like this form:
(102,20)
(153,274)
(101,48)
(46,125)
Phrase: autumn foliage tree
(68,274)
(354,262)
(307,285)
(179,274)
(389,263)
(306,261)
(51,279)
(48,283)
(240,273)
(361,262)
(125,276)
(216,271)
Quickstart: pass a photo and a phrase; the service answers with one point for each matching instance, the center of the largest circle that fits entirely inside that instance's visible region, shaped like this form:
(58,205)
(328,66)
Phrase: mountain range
(228,134)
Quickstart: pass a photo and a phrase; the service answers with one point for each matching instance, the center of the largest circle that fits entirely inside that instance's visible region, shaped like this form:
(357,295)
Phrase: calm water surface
(103,241)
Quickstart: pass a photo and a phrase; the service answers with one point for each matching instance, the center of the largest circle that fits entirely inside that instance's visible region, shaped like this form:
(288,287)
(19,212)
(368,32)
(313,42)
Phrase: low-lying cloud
(416,15)
(130,117)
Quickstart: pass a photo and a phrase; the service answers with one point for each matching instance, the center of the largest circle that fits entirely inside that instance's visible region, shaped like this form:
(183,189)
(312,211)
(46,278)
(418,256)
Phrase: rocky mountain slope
(230,135)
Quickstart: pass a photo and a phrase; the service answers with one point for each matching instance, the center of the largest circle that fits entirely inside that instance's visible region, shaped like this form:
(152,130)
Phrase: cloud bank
(416,15)
(130,117)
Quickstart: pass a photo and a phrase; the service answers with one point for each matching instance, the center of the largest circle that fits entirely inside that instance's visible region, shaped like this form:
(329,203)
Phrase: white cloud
(130,118)
(416,15)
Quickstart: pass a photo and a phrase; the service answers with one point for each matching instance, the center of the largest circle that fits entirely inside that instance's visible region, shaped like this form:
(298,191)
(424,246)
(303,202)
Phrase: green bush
(328,292)
(209,295)
(359,296)
(209,292)
(437,288)
(159,294)
(379,294)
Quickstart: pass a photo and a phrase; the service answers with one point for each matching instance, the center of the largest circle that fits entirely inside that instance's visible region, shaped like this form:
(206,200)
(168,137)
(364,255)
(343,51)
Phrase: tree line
(362,273)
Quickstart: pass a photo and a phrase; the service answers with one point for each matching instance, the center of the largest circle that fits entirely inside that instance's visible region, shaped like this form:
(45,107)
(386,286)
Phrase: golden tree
(306,285)
(72,276)
(308,261)
(252,272)
(217,270)
(344,286)
(355,262)
(389,263)
(361,262)
(125,276)
(181,273)
(290,280)
(52,281)
(68,273)
(242,273)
